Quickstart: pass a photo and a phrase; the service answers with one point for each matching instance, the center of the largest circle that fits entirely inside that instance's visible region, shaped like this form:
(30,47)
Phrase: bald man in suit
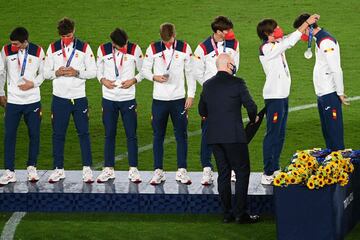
(220,102)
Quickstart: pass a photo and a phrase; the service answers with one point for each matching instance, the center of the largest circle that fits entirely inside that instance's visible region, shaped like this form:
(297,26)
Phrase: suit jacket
(220,103)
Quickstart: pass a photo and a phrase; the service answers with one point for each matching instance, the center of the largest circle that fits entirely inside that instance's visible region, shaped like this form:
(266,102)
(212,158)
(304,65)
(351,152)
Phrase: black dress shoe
(247,219)
(228,219)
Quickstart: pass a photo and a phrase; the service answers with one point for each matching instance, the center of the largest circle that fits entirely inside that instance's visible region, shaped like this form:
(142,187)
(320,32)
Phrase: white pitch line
(8,232)
(198,132)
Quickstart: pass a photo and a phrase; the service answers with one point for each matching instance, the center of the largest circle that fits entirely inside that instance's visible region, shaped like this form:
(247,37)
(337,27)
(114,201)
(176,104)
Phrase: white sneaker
(267,180)
(182,176)
(233,176)
(32,174)
(87,175)
(57,175)
(106,174)
(207,178)
(276,173)
(7,177)
(159,177)
(134,175)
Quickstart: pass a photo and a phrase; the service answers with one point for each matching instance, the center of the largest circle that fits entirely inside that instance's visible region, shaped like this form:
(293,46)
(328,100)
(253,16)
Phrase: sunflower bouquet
(317,168)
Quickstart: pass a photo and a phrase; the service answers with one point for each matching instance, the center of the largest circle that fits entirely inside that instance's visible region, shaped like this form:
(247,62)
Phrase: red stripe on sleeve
(38,51)
(184,48)
(133,49)
(204,48)
(52,47)
(102,49)
(6,51)
(85,46)
(153,48)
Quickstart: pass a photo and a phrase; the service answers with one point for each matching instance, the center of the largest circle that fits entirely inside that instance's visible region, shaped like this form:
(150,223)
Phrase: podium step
(121,195)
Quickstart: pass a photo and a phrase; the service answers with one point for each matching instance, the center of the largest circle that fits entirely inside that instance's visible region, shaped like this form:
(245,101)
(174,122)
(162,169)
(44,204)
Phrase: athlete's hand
(344,100)
(60,72)
(189,102)
(3,101)
(108,83)
(128,83)
(71,72)
(160,78)
(27,85)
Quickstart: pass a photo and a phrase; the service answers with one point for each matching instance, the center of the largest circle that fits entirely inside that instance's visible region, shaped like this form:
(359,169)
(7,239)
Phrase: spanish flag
(275,117)
(334,115)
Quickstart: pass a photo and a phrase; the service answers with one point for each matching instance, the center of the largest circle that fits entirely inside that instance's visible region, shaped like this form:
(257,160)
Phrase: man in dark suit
(220,103)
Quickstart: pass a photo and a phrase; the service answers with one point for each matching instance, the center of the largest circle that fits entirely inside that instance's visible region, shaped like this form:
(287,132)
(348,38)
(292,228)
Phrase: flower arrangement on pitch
(317,168)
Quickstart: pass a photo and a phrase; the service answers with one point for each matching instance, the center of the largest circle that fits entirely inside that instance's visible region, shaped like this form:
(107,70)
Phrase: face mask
(278,33)
(14,48)
(233,70)
(304,37)
(123,50)
(230,35)
(168,44)
(67,40)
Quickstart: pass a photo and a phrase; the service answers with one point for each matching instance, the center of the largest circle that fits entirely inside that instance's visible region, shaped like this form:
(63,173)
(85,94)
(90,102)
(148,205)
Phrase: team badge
(30,60)
(334,114)
(275,118)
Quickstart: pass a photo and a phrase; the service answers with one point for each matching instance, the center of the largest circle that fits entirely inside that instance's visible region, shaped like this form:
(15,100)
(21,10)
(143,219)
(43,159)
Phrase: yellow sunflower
(329,181)
(277,182)
(310,184)
(303,156)
(282,175)
(351,167)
